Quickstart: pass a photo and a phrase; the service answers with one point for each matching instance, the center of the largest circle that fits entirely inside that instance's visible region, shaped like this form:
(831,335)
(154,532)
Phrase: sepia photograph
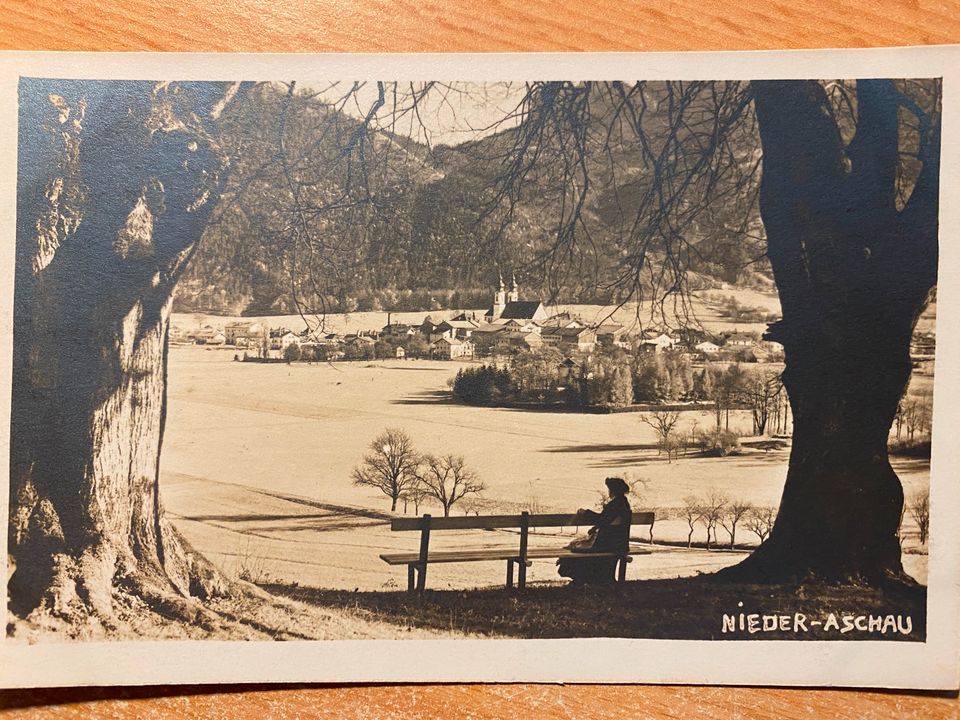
(332,359)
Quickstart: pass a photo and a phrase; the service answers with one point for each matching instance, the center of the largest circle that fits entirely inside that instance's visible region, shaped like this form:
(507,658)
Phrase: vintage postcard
(582,368)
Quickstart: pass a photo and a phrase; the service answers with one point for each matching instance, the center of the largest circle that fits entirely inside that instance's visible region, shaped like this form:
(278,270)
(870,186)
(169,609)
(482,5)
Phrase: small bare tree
(712,510)
(390,466)
(691,511)
(474,505)
(760,521)
(447,479)
(664,423)
(733,513)
(416,494)
(920,512)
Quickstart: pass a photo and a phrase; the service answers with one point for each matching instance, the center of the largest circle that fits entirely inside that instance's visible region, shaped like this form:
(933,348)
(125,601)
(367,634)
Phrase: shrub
(719,442)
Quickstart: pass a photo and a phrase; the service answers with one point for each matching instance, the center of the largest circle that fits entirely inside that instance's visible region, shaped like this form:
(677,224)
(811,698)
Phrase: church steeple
(514,289)
(499,299)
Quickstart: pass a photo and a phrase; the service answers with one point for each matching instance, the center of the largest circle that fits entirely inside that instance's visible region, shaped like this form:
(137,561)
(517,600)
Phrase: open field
(257,459)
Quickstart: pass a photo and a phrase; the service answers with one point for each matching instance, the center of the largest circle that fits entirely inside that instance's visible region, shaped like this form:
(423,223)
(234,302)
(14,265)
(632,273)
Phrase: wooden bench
(520,557)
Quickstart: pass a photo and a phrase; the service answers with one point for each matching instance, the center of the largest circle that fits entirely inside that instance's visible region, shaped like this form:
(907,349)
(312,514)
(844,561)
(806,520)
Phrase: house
(741,339)
(611,334)
(521,325)
(450,348)
(461,329)
(400,354)
(241,332)
(707,348)
(359,340)
(583,338)
(281,339)
(400,330)
(657,344)
(218,338)
(234,330)
(519,340)
(205,335)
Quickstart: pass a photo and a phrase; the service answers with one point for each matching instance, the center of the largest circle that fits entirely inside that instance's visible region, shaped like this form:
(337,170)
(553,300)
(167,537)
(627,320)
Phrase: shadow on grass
(428,397)
(608,447)
(683,608)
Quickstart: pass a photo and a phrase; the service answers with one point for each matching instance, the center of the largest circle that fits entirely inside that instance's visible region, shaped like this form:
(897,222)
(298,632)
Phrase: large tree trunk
(854,273)
(116,183)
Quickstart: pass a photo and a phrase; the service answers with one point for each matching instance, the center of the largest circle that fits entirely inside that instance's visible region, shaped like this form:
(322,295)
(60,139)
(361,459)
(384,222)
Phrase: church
(508,306)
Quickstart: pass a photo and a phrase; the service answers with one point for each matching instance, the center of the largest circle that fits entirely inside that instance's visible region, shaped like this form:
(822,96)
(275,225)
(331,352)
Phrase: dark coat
(612,525)
(610,533)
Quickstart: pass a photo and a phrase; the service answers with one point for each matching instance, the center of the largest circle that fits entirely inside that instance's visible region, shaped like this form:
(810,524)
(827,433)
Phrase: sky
(451,113)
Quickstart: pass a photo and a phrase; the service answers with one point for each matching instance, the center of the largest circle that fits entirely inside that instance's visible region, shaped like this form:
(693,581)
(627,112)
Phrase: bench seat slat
(480,555)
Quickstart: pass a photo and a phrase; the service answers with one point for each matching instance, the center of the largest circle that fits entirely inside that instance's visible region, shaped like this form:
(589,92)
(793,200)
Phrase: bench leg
(411,575)
(521,575)
(421,578)
(622,572)
(509,574)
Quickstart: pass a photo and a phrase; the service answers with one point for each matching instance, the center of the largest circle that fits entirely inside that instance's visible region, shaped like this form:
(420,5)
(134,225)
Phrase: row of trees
(914,420)
(718,510)
(613,377)
(394,467)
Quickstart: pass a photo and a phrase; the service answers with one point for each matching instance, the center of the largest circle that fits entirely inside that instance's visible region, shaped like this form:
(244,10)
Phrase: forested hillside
(410,226)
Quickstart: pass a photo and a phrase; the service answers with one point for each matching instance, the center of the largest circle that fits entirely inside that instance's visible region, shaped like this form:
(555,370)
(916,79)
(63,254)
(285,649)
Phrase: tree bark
(853,273)
(116,183)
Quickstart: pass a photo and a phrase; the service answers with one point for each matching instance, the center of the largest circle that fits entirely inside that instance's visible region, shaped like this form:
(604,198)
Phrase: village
(509,326)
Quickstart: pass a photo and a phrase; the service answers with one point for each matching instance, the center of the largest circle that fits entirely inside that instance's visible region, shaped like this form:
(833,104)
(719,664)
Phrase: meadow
(257,458)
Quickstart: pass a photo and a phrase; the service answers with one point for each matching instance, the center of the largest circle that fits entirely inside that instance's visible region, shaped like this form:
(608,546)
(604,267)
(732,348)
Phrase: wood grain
(478,702)
(461,25)
(458,25)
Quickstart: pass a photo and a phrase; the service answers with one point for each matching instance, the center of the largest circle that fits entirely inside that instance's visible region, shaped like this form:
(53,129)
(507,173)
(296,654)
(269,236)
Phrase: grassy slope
(684,608)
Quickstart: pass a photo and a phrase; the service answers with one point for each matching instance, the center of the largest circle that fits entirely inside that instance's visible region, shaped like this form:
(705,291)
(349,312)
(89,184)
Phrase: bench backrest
(490,522)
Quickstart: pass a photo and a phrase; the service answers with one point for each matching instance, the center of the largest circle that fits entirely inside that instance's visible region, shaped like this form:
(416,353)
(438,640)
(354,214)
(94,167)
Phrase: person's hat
(617,485)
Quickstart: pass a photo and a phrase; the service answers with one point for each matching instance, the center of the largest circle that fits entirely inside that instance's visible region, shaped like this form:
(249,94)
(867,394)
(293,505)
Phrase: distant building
(244,333)
(611,334)
(658,344)
(205,335)
(707,347)
(511,307)
(572,334)
(400,330)
(451,348)
(359,340)
(281,339)
(741,339)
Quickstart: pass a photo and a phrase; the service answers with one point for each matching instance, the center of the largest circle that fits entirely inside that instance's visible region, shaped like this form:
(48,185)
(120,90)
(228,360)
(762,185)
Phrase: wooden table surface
(456,25)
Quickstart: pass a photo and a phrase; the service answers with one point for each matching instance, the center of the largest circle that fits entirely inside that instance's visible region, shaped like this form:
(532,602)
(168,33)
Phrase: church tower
(514,289)
(499,300)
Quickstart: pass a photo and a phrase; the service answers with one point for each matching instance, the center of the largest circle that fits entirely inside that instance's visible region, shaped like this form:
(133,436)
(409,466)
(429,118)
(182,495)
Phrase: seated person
(610,533)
